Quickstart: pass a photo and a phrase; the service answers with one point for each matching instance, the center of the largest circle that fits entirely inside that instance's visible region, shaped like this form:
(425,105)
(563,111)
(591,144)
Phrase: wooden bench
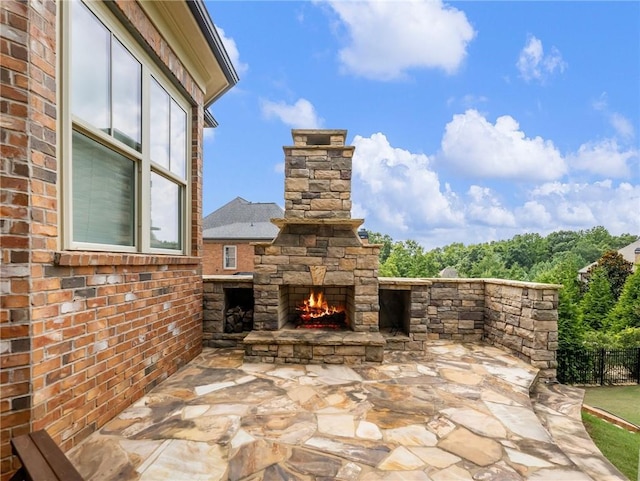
(41,459)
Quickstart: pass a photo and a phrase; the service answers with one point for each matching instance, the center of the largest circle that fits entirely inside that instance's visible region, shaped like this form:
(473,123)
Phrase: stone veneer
(523,317)
(316,254)
(519,316)
(317,245)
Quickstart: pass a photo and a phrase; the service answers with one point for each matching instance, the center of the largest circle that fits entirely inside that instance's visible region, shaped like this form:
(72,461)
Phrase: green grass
(623,401)
(620,447)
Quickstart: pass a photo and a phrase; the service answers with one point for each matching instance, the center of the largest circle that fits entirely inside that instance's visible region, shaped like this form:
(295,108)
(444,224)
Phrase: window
(126,175)
(229,254)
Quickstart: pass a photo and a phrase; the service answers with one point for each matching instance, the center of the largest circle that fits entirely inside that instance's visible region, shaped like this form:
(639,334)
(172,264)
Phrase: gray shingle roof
(241,219)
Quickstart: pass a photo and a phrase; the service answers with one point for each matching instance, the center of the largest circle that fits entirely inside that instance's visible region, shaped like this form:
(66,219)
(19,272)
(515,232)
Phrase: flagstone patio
(453,412)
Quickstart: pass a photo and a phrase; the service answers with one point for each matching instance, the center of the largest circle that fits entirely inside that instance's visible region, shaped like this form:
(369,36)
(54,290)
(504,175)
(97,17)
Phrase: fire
(316,312)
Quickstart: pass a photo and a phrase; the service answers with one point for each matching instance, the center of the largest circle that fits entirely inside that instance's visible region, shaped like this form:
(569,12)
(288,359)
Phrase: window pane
(90,68)
(126,96)
(178,140)
(103,194)
(229,257)
(165,213)
(159,132)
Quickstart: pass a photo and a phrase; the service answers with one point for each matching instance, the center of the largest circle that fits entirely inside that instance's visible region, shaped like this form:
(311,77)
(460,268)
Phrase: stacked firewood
(238,319)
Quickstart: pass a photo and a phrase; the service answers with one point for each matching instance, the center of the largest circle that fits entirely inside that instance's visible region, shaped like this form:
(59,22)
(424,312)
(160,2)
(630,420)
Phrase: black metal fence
(599,366)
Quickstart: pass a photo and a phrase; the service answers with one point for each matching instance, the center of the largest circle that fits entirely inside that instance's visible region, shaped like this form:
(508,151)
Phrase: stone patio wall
(519,316)
(456,309)
(523,317)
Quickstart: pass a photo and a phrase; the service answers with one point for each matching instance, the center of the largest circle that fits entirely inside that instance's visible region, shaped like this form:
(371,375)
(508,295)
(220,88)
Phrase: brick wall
(82,335)
(29,203)
(110,328)
(212,257)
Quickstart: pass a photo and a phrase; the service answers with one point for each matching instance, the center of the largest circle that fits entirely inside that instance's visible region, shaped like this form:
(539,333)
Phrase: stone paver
(455,411)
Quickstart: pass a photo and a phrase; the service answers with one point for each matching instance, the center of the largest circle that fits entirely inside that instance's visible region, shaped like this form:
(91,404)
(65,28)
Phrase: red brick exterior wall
(213,257)
(82,335)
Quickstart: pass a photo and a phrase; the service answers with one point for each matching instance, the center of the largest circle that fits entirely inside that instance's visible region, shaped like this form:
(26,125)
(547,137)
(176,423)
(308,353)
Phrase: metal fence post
(601,370)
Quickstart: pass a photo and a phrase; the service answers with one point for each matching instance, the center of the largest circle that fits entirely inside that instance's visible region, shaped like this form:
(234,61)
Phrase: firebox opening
(317,307)
(395,311)
(238,310)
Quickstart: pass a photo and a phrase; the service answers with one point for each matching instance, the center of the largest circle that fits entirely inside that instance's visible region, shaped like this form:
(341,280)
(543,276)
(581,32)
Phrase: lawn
(623,401)
(620,447)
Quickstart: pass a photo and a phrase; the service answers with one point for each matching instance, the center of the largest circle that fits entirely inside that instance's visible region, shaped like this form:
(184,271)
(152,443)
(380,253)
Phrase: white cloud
(387,38)
(400,191)
(485,208)
(584,205)
(467,101)
(622,126)
(605,158)
(577,214)
(301,115)
(533,215)
(533,64)
(232,50)
(478,148)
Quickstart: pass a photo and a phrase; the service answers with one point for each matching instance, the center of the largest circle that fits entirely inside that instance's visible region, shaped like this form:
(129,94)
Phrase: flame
(316,306)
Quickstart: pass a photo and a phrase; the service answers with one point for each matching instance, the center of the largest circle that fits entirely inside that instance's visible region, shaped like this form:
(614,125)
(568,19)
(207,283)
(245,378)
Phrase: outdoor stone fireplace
(317,251)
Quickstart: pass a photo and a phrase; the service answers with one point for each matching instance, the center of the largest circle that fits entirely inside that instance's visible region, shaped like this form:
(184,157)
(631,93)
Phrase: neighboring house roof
(628,252)
(449,272)
(241,219)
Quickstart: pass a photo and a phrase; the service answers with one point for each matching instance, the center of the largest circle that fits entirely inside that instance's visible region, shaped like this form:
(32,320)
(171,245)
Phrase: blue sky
(472,121)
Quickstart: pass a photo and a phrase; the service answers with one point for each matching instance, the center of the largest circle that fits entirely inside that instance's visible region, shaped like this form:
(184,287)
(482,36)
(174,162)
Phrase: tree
(626,312)
(597,301)
(407,259)
(526,250)
(616,268)
(570,327)
(385,240)
(451,255)
(490,266)
(623,240)
(471,257)
(562,241)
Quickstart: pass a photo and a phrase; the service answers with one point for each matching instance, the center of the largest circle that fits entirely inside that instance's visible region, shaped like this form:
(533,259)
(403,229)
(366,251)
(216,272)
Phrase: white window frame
(144,166)
(225,258)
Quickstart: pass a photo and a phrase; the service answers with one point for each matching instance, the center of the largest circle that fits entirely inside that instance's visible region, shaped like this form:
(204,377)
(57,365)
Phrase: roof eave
(209,120)
(201,15)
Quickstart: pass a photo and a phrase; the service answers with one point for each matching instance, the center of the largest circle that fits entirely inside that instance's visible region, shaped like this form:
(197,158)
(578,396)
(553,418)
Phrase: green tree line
(600,308)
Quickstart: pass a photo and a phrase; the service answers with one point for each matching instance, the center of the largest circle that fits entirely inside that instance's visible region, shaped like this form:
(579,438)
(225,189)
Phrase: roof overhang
(189,30)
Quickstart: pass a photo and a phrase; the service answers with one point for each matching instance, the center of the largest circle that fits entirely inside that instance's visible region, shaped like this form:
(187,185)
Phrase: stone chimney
(318,175)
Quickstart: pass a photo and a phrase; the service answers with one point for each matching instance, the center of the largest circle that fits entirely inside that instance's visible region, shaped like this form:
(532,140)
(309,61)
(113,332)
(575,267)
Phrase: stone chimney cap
(328,137)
